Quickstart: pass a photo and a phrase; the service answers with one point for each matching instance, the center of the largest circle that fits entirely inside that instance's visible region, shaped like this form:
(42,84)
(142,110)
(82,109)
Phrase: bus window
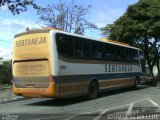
(87,48)
(142,61)
(118,55)
(93,49)
(123,54)
(97,50)
(78,49)
(107,52)
(64,45)
(129,55)
(135,57)
(101,50)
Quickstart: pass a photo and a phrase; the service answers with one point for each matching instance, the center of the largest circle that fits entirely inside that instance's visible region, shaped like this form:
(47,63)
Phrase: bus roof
(113,41)
(100,40)
(56,30)
(33,31)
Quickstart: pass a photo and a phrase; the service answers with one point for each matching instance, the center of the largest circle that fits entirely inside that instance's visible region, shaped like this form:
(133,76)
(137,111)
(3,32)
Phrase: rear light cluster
(51,78)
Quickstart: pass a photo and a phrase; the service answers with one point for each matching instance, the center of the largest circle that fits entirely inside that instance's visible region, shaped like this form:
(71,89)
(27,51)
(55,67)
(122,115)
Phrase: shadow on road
(59,101)
(122,90)
(69,101)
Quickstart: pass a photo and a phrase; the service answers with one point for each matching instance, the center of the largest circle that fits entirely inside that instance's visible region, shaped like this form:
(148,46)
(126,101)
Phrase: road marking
(100,115)
(154,103)
(114,107)
(104,111)
(139,101)
(73,116)
(128,111)
(154,96)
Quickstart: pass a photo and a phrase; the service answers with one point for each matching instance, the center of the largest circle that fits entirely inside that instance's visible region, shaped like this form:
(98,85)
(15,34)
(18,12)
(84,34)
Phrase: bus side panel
(75,77)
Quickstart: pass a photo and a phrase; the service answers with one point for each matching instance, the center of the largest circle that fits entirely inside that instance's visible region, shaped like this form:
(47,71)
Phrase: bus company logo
(118,68)
(32,41)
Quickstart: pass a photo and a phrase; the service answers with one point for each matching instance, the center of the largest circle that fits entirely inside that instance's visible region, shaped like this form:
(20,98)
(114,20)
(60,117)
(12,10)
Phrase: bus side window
(142,61)
(64,45)
(87,48)
(112,52)
(99,51)
(129,55)
(135,56)
(78,48)
(123,54)
(118,55)
(93,49)
(96,50)
(103,49)
(107,52)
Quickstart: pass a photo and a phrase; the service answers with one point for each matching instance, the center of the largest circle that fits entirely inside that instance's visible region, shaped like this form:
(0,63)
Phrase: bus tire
(158,84)
(92,90)
(136,82)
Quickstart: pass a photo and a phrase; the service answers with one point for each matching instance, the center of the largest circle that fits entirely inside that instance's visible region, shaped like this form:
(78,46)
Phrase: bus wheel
(158,84)
(92,90)
(136,82)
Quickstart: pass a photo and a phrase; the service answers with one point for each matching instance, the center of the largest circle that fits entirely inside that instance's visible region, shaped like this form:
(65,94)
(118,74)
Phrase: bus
(54,63)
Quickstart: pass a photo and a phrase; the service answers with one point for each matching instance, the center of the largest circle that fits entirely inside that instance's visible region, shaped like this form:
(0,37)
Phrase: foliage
(106,30)
(17,6)
(6,73)
(69,17)
(139,26)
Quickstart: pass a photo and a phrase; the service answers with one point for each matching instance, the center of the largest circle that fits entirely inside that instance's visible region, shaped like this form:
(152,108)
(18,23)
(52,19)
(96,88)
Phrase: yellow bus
(53,63)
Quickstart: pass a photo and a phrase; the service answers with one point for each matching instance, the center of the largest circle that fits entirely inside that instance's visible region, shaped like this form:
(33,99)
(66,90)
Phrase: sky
(101,13)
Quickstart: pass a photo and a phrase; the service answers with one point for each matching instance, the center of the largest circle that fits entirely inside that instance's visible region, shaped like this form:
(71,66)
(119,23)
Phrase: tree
(17,6)
(69,17)
(6,73)
(139,26)
(106,30)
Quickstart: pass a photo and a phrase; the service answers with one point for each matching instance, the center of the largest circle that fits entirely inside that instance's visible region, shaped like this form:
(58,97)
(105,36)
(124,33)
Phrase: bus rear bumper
(36,92)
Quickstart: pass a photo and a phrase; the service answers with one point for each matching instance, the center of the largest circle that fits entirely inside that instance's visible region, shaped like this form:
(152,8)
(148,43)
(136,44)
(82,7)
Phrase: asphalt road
(7,95)
(142,103)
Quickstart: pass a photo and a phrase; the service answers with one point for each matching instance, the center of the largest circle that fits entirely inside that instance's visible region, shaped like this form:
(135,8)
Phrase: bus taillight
(51,78)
